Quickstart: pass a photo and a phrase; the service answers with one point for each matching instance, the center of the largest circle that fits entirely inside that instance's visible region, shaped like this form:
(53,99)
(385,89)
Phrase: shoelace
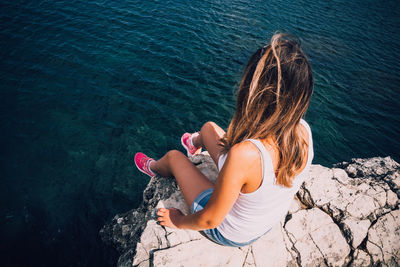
(144,162)
(189,144)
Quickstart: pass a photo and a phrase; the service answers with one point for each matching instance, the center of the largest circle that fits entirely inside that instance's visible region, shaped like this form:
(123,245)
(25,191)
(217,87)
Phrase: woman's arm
(233,176)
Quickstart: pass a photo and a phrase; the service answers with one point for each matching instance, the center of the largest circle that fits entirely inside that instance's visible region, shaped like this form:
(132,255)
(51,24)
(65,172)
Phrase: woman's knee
(173,154)
(210,128)
(210,125)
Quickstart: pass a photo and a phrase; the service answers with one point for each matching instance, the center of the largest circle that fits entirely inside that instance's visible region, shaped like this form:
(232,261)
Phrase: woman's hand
(169,217)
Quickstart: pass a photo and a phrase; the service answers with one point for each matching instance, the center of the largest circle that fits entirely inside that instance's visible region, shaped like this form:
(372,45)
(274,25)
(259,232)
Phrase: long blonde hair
(273,96)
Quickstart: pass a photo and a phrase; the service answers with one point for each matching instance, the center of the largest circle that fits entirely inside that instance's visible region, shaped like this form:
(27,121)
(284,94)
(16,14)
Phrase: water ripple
(86,84)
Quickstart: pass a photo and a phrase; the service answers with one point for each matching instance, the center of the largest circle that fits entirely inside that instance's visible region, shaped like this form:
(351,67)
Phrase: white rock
(322,187)
(249,260)
(153,236)
(177,236)
(384,239)
(199,253)
(194,235)
(144,264)
(361,258)
(336,193)
(141,254)
(295,206)
(379,194)
(391,199)
(340,175)
(358,230)
(317,237)
(361,207)
(395,179)
(270,246)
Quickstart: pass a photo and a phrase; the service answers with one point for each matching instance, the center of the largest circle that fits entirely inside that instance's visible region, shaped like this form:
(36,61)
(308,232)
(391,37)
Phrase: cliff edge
(343,216)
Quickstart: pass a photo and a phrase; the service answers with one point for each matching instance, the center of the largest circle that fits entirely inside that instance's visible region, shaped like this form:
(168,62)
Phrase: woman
(263,158)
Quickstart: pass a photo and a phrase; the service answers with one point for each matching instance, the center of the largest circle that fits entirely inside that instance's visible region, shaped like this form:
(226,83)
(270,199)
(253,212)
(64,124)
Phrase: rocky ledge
(343,216)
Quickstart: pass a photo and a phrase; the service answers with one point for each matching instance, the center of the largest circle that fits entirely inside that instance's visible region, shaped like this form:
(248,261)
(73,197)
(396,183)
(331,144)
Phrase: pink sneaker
(142,162)
(187,144)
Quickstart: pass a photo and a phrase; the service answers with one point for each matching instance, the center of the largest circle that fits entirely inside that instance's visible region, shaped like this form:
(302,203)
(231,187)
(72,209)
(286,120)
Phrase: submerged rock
(343,216)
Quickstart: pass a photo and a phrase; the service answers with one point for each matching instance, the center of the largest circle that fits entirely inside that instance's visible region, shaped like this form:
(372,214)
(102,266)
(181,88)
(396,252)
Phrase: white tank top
(255,213)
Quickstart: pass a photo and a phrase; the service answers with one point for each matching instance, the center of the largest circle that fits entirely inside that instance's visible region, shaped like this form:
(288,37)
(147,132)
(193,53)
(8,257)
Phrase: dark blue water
(86,84)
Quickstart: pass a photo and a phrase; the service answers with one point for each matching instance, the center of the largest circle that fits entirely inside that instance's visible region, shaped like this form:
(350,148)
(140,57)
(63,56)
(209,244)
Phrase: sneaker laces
(145,162)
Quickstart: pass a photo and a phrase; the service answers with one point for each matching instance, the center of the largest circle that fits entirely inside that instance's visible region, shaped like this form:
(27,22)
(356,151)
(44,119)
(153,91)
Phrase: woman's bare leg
(209,137)
(190,180)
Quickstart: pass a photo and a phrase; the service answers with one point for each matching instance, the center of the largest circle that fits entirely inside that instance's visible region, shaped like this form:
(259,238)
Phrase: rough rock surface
(343,216)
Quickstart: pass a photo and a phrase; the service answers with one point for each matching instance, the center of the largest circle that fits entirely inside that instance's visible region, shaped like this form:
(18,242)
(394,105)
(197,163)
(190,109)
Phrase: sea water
(87,84)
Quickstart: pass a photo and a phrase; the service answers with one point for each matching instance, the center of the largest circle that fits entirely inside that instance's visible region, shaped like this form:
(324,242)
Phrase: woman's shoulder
(245,151)
(244,159)
(248,152)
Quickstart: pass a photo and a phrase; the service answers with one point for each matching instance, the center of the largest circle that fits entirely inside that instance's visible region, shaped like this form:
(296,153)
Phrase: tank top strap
(266,166)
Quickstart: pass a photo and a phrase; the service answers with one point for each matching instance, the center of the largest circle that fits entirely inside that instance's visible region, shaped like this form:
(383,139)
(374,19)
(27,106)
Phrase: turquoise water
(86,84)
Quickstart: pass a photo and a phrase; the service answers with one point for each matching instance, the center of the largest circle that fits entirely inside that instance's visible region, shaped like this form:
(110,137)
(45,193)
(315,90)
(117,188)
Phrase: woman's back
(256,212)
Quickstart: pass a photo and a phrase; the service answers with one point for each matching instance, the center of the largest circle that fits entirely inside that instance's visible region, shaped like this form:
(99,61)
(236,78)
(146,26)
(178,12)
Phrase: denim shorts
(213,234)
